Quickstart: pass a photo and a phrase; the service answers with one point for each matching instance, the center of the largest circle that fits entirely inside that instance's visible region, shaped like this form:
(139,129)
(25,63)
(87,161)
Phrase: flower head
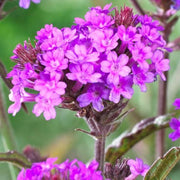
(67,170)
(94,64)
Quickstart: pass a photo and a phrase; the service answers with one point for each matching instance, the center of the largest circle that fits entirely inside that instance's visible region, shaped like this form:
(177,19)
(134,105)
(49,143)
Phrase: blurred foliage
(57,137)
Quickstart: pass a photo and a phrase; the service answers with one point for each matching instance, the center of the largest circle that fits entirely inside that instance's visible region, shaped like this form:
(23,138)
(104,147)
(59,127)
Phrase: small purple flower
(104,40)
(160,64)
(116,67)
(140,53)
(50,38)
(175,125)
(82,54)
(177,103)
(128,35)
(46,32)
(124,88)
(26,3)
(49,86)
(97,18)
(46,105)
(18,95)
(150,33)
(95,95)
(147,20)
(141,77)
(83,73)
(54,61)
(137,167)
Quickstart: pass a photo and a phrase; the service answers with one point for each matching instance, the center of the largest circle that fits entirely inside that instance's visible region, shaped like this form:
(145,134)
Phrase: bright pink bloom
(137,167)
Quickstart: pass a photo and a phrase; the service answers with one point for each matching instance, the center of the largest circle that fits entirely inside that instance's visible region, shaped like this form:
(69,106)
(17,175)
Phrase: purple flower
(141,77)
(137,167)
(97,18)
(177,103)
(50,38)
(140,53)
(147,20)
(95,95)
(54,61)
(49,86)
(18,95)
(116,67)
(67,170)
(104,40)
(160,64)
(176,4)
(83,73)
(175,125)
(46,105)
(124,88)
(26,3)
(128,35)
(46,32)
(150,33)
(82,54)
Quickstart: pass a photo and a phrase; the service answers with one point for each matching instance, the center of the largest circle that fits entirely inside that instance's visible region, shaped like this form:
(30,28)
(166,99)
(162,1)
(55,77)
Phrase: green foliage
(128,139)
(15,158)
(162,166)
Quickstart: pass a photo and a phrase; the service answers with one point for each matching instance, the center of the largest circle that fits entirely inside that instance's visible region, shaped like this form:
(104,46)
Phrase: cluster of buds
(92,65)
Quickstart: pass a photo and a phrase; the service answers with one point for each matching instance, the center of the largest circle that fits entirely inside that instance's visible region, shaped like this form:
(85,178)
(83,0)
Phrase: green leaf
(128,139)
(162,166)
(15,158)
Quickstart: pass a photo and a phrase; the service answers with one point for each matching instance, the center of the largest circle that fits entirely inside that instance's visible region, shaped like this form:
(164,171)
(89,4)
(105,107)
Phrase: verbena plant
(91,68)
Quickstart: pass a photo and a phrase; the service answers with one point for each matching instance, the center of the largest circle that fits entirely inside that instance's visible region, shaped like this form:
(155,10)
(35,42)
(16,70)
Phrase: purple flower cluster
(65,171)
(137,167)
(95,62)
(26,3)
(175,125)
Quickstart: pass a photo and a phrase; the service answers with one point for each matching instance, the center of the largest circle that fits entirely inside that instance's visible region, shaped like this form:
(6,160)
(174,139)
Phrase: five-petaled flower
(137,167)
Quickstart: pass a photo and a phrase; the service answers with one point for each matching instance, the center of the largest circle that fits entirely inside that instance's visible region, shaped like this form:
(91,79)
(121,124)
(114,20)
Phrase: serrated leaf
(128,139)
(15,158)
(162,166)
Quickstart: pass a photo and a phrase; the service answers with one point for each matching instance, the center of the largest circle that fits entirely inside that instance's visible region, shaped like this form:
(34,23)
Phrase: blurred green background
(57,137)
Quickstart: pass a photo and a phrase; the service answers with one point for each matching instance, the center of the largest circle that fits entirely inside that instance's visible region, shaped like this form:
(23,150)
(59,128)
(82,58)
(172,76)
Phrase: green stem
(7,133)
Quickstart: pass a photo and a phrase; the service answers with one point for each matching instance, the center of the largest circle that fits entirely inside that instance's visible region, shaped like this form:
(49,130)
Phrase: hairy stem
(162,103)
(162,91)
(100,152)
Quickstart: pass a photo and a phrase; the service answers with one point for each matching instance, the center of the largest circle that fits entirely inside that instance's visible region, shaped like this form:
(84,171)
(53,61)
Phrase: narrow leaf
(162,166)
(15,158)
(128,139)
